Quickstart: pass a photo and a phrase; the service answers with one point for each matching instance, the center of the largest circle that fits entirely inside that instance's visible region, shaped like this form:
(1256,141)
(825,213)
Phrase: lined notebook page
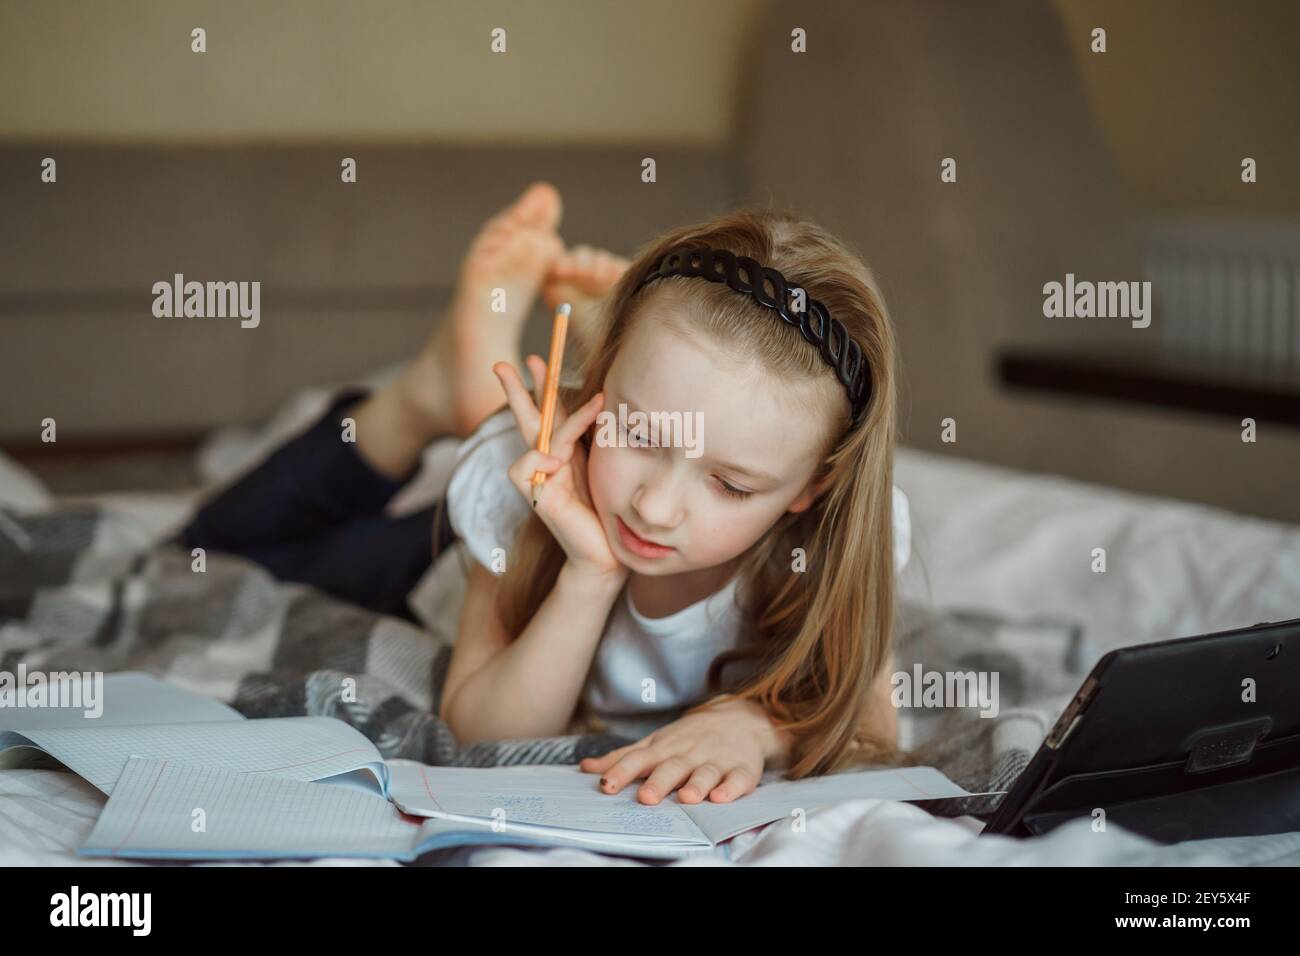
(776,798)
(152,814)
(559,797)
(565,797)
(299,748)
(158,806)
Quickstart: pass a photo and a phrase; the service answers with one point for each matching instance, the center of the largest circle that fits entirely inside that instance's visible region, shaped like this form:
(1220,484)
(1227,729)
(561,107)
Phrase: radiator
(1227,297)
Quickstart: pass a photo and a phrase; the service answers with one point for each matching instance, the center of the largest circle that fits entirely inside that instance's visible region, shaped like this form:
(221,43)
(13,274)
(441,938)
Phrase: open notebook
(167,809)
(145,717)
(188,777)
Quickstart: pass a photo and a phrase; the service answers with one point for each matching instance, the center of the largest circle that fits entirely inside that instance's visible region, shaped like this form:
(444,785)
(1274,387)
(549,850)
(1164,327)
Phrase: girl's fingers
(522,471)
(538,368)
(567,435)
(735,784)
(526,414)
(702,782)
(598,764)
(630,767)
(665,779)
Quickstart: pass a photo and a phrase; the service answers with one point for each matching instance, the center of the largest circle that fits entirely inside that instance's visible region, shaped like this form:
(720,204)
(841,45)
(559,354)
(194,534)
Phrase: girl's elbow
(462,734)
(448,714)
(463,729)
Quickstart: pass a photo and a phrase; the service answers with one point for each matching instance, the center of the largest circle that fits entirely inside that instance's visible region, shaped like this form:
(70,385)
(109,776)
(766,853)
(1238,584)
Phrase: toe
(549,248)
(609,266)
(539,206)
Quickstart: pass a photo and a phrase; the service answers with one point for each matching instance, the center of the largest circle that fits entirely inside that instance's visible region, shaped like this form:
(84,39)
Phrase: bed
(1000,578)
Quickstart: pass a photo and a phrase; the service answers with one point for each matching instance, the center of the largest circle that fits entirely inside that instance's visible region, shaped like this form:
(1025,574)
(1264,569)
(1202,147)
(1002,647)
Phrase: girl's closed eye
(732,491)
(639,439)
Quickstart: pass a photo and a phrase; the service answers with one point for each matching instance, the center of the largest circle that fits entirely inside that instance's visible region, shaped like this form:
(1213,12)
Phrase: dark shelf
(1180,386)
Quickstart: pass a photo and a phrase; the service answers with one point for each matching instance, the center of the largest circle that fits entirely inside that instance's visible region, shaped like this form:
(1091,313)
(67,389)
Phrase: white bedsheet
(1021,544)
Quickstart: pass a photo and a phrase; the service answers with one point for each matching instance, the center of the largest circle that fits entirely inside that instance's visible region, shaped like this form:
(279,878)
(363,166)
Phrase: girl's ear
(810,494)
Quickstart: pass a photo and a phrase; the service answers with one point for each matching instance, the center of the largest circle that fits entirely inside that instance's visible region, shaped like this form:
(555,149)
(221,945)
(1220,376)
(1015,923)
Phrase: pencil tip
(564,308)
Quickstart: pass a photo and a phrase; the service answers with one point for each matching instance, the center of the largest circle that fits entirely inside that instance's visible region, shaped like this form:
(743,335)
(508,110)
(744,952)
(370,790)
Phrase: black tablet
(1180,740)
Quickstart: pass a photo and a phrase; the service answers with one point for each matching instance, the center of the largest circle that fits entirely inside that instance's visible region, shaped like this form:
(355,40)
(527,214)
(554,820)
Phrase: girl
(647,580)
(746,591)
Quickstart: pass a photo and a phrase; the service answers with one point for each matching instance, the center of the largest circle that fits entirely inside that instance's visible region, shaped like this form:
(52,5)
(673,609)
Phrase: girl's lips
(639,546)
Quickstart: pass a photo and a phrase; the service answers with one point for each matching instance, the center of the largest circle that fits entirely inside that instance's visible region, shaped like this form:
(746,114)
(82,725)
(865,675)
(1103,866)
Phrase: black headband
(841,353)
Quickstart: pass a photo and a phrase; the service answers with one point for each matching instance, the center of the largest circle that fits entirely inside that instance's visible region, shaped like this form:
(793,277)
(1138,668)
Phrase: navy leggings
(313,512)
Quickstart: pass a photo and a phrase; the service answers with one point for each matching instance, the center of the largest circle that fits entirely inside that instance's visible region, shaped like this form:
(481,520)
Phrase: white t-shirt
(674,652)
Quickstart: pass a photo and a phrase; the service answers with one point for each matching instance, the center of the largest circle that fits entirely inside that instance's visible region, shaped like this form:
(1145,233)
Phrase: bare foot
(582,276)
(450,384)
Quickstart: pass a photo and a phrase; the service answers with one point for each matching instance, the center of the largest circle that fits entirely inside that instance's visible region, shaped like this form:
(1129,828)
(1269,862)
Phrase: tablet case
(1167,741)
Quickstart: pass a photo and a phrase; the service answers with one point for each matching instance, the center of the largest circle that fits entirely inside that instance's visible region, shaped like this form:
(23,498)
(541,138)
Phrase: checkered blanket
(85,588)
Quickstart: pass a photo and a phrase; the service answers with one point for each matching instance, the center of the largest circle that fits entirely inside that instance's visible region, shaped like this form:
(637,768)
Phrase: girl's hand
(718,752)
(564,503)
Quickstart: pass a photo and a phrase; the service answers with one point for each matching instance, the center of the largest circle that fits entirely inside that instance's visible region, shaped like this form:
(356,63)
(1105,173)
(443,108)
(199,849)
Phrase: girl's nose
(657,503)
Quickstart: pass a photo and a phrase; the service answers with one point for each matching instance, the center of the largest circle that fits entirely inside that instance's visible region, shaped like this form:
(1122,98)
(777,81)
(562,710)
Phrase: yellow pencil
(550,394)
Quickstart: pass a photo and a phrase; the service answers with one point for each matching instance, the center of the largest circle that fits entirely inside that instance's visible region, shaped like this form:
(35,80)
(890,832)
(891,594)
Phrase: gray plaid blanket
(83,589)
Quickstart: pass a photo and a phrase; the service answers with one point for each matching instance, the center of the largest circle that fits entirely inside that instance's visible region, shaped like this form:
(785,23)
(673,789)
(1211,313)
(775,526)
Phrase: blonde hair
(818,640)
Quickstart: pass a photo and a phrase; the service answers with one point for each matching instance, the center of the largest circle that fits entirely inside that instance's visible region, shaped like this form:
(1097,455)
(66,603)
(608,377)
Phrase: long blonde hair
(816,641)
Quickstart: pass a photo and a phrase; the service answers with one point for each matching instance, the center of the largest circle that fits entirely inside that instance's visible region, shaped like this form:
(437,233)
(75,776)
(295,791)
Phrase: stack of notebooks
(189,778)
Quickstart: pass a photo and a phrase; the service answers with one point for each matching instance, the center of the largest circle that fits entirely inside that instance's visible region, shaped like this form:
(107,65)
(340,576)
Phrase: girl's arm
(497,688)
(882,717)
